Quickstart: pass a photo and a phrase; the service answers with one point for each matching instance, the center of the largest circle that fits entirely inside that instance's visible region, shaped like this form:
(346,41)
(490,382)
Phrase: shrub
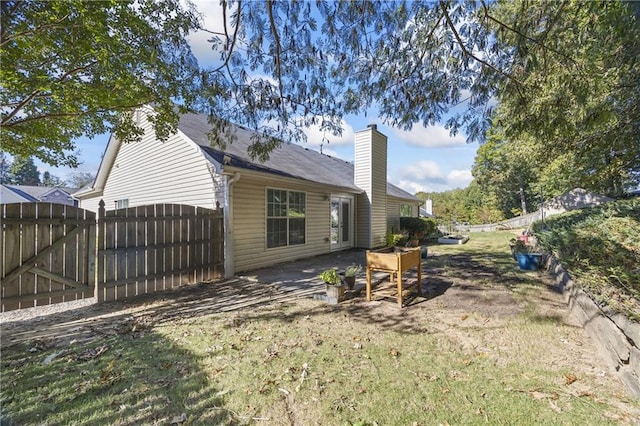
(417,227)
(601,248)
(394,239)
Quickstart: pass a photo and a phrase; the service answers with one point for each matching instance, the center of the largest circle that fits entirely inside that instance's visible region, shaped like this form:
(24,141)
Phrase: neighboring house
(300,203)
(577,198)
(33,194)
(427,210)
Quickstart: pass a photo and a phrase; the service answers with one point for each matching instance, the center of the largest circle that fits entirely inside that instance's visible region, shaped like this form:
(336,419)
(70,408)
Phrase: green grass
(307,363)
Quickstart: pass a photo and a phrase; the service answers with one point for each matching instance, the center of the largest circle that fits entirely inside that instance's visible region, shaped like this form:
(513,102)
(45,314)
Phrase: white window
(286,218)
(406,210)
(122,204)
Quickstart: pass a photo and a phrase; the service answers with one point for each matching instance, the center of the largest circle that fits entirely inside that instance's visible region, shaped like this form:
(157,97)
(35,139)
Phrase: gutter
(229,263)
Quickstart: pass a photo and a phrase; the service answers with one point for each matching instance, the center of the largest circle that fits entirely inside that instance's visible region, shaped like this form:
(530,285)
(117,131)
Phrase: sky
(424,159)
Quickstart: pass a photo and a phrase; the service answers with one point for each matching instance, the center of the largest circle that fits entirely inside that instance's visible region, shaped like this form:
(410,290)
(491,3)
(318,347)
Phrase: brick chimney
(370,175)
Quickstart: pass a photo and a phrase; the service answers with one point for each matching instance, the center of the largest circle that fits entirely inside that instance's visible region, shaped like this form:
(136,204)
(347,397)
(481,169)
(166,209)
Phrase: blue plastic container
(528,261)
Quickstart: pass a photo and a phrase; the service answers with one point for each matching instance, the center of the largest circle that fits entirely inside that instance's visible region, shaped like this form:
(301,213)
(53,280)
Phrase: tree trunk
(523,201)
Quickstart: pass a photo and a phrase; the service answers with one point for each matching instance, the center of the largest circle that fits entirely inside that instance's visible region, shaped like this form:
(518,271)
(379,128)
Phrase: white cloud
(315,135)
(211,12)
(428,176)
(459,178)
(423,170)
(429,137)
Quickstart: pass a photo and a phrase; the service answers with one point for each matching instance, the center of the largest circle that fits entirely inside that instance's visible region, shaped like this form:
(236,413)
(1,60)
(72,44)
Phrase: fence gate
(152,248)
(47,254)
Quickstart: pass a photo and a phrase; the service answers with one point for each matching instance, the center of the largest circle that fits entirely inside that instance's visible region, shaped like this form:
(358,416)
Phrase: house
(427,210)
(33,194)
(577,198)
(300,203)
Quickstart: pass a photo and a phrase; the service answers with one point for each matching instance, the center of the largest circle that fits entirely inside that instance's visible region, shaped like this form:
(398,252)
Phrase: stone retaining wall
(617,337)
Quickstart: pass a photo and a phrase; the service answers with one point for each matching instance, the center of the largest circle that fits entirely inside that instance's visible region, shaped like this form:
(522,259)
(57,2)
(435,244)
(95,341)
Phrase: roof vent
(373,126)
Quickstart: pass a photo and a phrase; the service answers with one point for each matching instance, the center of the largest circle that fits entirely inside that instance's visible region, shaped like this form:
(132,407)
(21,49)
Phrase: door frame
(340,199)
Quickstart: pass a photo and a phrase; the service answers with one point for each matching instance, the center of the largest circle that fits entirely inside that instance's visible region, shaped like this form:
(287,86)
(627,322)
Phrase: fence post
(100,257)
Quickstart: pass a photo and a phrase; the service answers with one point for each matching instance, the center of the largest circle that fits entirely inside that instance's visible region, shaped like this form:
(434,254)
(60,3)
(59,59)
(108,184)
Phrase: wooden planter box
(395,261)
(335,292)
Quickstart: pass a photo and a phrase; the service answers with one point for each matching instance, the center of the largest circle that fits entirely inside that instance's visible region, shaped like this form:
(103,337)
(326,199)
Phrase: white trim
(266,218)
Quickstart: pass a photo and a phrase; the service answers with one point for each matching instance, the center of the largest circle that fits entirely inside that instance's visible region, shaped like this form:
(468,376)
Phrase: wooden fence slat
(10,255)
(52,253)
(37,258)
(27,282)
(40,253)
(153,248)
(183,248)
(140,255)
(58,278)
(57,257)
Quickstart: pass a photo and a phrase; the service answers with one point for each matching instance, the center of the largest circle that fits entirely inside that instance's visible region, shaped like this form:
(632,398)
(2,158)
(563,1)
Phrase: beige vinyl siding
(90,203)
(249,223)
(150,172)
(362,178)
(393,214)
(370,174)
(362,217)
(379,190)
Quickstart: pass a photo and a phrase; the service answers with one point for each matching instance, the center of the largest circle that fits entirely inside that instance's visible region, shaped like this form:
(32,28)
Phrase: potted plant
(333,283)
(526,255)
(350,275)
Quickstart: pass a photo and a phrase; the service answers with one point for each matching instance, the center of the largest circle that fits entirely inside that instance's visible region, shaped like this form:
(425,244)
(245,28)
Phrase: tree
(579,64)
(508,170)
(73,68)
(23,171)
(50,180)
(80,179)
(5,164)
(565,73)
(282,69)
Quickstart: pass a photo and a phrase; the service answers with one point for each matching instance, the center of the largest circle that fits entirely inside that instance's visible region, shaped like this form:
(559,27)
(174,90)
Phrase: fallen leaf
(569,378)
(217,372)
(464,317)
(555,407)
(92,353)
(51,357)
(222,393)
(179,419)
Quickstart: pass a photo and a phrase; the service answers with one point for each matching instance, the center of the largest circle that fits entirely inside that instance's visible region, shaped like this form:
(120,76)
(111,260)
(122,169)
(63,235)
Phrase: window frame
(405,206)
(122,203)
(271,207)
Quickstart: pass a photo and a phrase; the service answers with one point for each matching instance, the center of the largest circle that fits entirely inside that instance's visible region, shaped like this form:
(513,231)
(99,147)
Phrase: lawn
(487,344)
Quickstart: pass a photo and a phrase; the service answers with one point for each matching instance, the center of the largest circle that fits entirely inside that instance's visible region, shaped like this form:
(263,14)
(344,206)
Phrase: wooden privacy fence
(47,254)
(152,248)
(51,253)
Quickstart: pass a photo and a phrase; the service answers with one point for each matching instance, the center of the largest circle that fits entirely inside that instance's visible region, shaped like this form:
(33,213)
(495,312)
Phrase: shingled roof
(290,160)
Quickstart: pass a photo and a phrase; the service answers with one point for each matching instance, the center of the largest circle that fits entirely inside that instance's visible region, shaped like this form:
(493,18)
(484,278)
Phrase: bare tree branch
(276,38)
(470,54)
(36,93)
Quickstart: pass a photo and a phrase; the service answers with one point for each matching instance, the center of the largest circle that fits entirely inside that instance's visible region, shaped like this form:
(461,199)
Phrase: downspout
(229,264)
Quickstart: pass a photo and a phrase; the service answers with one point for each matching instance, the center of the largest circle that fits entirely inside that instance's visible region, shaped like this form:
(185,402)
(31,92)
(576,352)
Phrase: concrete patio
(301,277)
